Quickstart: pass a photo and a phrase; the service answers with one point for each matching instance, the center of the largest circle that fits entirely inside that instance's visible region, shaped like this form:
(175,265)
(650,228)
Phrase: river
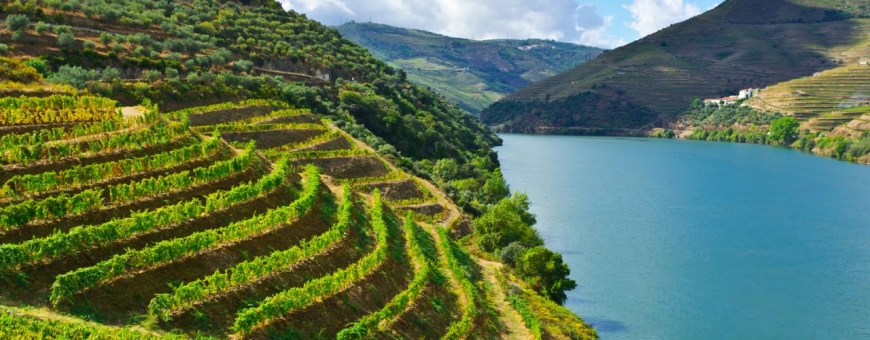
(700,240)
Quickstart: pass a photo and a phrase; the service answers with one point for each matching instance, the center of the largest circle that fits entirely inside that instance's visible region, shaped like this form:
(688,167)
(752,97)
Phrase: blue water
(698,240)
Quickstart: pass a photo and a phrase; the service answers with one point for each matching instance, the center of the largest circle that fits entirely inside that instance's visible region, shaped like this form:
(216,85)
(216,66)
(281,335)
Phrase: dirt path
(132,111)
(515,328)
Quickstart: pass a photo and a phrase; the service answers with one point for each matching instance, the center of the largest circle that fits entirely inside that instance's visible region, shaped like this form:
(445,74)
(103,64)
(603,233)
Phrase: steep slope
(739,44)
(832,101)
(248,210)
(470,73)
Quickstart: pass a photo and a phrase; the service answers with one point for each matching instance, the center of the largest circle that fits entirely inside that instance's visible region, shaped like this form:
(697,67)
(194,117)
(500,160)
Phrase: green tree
(784,130)
(17,22)
(41,27)
(495,188)
(446,169)
(546,272)
(66,40)
(507,222)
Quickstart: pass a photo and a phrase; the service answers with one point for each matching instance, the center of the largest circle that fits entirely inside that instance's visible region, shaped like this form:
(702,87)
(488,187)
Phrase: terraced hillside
(827,101)
(471,73)
(249,219)
(739,44)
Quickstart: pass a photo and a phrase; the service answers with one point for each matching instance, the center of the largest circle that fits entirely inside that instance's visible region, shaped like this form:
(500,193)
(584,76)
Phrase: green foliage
(784,130)
(74,76)
(16,71)
(17,22)
(529,318)
(41,27)
(67,285)
(4,49)
(496,188)
(725,116)
(546,272)
(66,40)
(188,295)
(462,328)
(276,306)
(82,237)
(420,252)
(592,110)
(38,64)
(16,325)
(510,254)
(457,72)
(507,222)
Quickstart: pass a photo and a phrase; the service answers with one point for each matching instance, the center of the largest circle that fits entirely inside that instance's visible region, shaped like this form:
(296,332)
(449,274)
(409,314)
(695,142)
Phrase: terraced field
(830,101)
(243,220)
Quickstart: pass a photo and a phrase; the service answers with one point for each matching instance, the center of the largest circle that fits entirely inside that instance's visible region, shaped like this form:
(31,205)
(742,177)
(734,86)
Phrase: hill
(831,101)
(471,73)
(190,169)
(739,44)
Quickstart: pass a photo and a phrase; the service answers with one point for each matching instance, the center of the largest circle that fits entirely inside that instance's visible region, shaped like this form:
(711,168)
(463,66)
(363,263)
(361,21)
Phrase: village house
(747,93)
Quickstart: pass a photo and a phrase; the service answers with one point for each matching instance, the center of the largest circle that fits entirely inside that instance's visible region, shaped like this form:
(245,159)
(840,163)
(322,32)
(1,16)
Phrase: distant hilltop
(470,73)
(740,44)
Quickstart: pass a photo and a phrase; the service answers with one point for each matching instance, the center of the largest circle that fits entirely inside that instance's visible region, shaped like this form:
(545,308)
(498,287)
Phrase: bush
(110,74)
(66,40)
(17,22)
(4,49)
(152,75)
(40,65)
(507,222)
(546,272)
(89,44)
(41,27)
(510,254)
(784,130)
(74,76)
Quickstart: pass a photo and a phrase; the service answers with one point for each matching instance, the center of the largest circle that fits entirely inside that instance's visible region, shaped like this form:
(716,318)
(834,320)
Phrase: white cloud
(480,19)
(592,28)
(652,15)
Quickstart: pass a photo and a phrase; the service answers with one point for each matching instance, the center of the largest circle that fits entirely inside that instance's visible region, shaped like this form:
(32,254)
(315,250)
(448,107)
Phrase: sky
(600,23)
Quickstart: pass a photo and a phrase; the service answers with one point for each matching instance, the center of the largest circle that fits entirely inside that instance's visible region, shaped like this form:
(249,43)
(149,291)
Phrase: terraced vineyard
(833,100)
(249,220)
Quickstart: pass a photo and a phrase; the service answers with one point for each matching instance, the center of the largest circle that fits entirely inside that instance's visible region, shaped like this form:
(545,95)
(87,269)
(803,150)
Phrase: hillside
(739,44)
(830,101)
(178,170)
(470,73)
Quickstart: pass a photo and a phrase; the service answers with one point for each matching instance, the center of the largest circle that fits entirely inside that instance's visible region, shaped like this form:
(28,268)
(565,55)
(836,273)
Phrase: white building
(747,93)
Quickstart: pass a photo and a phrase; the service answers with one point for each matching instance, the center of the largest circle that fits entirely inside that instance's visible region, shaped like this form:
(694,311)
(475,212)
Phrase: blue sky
(601,23)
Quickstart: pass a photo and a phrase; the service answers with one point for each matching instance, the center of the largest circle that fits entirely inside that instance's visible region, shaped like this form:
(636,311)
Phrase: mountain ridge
(739,44)
(470,73)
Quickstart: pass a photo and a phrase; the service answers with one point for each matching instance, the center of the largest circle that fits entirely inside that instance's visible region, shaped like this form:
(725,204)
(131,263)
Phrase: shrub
(511,253)
(74,76)
(4,49)
(40,65)
(89,44)
(546,272)
(66,40)
(42,27)
(17,22)
(152,75)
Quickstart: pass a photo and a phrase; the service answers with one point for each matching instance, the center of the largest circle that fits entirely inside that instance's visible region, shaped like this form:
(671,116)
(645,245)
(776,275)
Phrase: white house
(747,93)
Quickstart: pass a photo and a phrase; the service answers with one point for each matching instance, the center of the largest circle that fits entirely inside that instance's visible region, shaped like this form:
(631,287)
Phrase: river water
(699,240)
